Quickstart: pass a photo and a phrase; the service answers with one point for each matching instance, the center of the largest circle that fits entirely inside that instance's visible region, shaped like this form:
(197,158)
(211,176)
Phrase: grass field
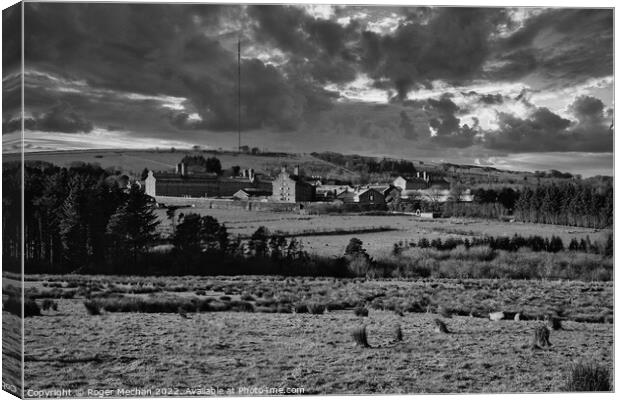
(250,349)
(402,228)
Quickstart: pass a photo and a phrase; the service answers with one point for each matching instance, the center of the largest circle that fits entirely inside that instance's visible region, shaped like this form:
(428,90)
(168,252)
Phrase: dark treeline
(576,203)
(82,218)
(573,204)
(535,243)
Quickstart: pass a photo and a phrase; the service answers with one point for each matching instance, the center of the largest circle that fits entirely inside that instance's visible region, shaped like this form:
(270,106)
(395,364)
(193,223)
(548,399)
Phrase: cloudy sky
(522,88)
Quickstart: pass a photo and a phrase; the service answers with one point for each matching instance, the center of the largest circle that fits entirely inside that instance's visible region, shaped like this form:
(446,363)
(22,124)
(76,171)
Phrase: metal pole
(239,92)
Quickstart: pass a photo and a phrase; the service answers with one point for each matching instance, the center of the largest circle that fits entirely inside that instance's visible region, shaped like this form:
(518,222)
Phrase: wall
(227,204)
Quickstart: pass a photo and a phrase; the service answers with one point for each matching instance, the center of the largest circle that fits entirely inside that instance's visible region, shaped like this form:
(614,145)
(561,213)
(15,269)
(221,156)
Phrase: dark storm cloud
(547,131)
(163,49)
(442,116)
(62,118)
(563,45)
(452,46)
(11,38)
(316,47)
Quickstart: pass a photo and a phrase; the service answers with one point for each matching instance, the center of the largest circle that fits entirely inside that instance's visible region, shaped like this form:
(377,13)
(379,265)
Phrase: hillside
(134,161)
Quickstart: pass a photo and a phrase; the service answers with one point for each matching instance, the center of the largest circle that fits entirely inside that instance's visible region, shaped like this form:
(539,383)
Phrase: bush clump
(13,305)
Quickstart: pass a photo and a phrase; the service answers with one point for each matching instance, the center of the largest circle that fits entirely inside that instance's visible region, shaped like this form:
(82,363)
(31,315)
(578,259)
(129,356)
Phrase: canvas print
(231,200)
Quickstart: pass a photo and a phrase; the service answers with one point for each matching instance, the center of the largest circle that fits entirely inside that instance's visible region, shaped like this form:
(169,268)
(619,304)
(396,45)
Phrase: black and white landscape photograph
(204,199)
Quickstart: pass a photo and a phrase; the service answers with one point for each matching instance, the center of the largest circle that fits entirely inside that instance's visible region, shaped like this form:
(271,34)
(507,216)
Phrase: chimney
(296,171)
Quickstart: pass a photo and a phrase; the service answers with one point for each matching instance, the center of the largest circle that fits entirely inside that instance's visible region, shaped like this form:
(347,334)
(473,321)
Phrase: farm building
(291,188)
(252,194)
(389,192)
(200,184)
(362,196)
(331,192)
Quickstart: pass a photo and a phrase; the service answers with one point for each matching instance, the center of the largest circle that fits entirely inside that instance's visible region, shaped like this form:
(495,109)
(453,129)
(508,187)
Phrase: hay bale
(517,317)
(497,316)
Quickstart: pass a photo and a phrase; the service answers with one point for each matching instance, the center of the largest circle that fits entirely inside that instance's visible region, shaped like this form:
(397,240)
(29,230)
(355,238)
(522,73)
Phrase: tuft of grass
(540,338)
(444,312)
(585,376)
(316,308)
(360,336)
(361,311)
(440,326)
(301,308)
(398,332)
(92,307)
(555,323)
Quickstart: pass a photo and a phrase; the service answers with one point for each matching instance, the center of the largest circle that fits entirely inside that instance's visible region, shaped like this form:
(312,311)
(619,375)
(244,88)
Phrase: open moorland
(196,332)
(329,234)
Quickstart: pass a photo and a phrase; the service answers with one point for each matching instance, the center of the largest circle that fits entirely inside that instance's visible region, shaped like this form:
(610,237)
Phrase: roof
(254,192)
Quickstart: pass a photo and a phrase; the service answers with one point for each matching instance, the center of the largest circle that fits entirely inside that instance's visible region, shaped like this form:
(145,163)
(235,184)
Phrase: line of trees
(575,204)
(514,243)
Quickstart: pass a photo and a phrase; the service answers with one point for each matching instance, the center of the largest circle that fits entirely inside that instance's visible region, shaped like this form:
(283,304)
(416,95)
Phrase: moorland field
(177,326)
(189,332)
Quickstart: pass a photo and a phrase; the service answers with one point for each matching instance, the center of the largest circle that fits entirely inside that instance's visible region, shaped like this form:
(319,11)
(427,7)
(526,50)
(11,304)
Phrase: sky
(515,88)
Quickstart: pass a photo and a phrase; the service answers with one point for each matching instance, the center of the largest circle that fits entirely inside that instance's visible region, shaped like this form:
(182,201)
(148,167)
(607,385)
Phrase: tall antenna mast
(239,92)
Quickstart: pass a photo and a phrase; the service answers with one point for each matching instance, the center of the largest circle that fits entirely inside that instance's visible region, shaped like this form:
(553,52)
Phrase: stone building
(291,188)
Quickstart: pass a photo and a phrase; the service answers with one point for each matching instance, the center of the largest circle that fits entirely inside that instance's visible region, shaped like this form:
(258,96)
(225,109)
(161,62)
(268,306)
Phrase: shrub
(588,377)
(361,311)
(92,307)
(360,337)
(247,297)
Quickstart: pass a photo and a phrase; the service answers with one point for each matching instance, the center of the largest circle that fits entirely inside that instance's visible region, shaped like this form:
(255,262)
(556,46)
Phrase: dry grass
(302,350)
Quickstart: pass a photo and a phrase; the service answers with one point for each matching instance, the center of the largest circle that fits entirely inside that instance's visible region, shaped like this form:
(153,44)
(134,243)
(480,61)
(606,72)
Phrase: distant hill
(329,165)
